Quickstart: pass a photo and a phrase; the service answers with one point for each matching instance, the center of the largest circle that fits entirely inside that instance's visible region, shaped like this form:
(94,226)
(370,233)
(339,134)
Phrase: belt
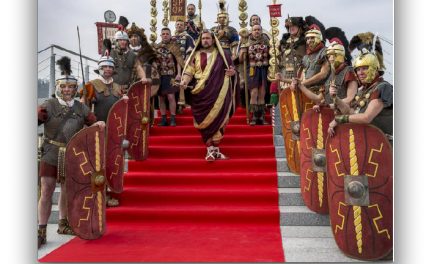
(56,143)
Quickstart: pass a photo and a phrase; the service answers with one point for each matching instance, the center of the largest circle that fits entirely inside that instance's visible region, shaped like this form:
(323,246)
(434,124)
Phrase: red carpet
(176,207)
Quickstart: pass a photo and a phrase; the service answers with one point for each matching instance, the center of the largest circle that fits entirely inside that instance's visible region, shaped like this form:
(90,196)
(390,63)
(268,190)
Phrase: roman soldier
(293,49)
(186,44)
(227,35)
(185,41)
(316,67)
(342,75)
(102,92)
(170,64)
(125,59)
(63,117)
(373,102)
(137,38)
(360,164)
(193,23)
(258,56)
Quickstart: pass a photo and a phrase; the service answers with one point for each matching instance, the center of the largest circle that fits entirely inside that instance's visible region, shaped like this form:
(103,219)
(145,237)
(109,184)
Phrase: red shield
(138,120)
(360,190)
(85,182)
(292,105)
(314,128)
(116,133)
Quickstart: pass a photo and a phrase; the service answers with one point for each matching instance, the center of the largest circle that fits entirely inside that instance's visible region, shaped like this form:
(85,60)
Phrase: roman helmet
(367,58)
(66,77)
(222,11)
(315,30)
(370,42)
(338,46)
(121,34)
(106,59)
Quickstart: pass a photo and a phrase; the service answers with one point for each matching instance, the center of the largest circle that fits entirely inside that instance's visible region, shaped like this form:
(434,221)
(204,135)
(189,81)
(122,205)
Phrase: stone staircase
(293,212)
(292,208)
(306,235)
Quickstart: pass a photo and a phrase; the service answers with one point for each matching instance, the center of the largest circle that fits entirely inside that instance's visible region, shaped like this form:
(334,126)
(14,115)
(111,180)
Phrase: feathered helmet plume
(316,28)
(368,41)
(121,34)
(123,23)
(223,12)
(66,77)
(338,42)
(66,71)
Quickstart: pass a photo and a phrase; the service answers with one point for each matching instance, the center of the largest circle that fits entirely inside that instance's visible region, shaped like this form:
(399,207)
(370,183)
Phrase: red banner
(275,10)
(177,10)
(105,30)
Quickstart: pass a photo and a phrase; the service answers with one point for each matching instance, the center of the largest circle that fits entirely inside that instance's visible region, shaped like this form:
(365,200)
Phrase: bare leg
(261,95)
(172,101)
(45,203)
(162,105)
(253,108)
(254,96)
(62,202)
(63,224)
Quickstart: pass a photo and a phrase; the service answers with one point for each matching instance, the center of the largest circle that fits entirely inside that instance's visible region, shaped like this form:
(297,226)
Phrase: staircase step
(192,214)
(282,165)
(199,151)
(280,152)
(196,140)
(200,165)
(278,140)
(198,196)
(214,178)
(290,196)
(301,216)
(311,244)
(288,180)
(189,120)
(191,130)
(289,215)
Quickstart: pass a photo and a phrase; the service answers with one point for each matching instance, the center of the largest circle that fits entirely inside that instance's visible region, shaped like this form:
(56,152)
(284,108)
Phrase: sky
(57,21)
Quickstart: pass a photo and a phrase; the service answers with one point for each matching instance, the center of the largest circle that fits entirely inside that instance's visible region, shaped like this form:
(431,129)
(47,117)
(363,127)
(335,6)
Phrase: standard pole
(52,73)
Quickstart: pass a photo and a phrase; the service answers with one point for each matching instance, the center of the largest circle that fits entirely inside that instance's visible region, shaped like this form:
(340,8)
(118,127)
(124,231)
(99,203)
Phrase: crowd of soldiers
(324,75)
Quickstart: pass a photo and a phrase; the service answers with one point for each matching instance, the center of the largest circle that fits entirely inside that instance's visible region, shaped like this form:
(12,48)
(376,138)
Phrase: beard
(206,45)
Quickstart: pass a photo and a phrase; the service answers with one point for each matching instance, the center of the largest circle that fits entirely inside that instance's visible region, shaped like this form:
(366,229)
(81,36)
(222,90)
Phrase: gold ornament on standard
(153,21)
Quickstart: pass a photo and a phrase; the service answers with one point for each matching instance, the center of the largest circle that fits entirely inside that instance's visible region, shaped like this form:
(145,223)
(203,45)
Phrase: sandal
(219,155)
(210,154)
(41,237)
(64,228)
(112,202)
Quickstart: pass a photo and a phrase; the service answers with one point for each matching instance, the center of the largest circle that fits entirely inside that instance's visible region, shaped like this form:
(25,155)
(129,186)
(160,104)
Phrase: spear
(200,15)
(82,68)
(80,56)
